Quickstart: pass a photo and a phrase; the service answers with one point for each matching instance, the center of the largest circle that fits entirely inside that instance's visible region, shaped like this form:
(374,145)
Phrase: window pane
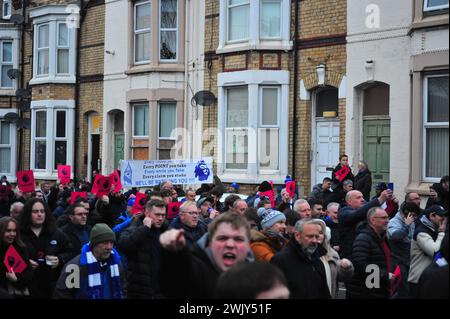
(5,160)
(270,106)
(437,152)
(238,23)
(270,19)
(61,124)
(237,107)
(142,47)
(4,137)
(7,52)
(63,61)
(60,153)
(168,14)
(43,36)
(141,120)
(168,45)
(237,149)
(268,151)
(40,155)
(435,3)
(438,99)
(165,149)
(41,124)
(43,62)
(143,16)
(167,119)
(6,81)
(63,35)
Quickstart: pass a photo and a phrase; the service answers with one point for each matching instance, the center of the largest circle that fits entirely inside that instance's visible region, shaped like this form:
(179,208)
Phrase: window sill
(8,91)
(142,69)
(429,22)
(45,175)
(281,45)
(58,79)
(422,188)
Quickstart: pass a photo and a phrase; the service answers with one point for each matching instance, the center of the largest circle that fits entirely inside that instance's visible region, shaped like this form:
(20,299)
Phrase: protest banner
(25,181)
(14,261)
(64,173)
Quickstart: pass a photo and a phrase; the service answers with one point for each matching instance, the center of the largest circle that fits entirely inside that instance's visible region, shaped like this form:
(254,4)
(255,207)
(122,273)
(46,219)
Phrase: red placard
(342,173)
(173,209)
(290,188)
(75,195)
(64,173)
(139,203)
(25,181)
(14,261)
(115,180)
(102,185)
(271,196)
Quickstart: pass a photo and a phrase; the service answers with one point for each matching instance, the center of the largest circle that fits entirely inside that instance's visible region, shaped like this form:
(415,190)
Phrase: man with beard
(371,257)
(300,263)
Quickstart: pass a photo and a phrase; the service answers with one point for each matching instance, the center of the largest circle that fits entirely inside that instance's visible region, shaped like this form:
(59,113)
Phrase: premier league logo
(202,171)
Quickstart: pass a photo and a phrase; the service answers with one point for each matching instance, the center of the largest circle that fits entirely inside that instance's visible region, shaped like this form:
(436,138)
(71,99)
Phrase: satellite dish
(13,74)
(24,105)
(11,116)
(205,98)
(23,123)
(17,19)
(23,93)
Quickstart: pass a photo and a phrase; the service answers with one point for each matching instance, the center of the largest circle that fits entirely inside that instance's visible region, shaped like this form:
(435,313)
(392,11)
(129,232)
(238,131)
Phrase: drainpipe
(21,84)
(295,119)
(77,86)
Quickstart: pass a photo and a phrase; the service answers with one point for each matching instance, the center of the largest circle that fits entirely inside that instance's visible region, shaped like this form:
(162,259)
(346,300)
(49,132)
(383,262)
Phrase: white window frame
(247,3)
(39,49)
(133,105)
(11,63)
(52,106)
(62,47)
(261,126)
(428,125)
(428,8)
(53,15)
(11,175)
(254,80)
(141,31)
(168,29)
(168,138)
(8,15)
(255,42)
(281,19)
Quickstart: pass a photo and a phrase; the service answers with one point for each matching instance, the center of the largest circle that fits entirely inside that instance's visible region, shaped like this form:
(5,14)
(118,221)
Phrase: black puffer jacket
(53,243)
(71,231)
(305,277)
(349,219)
(368,250)
(363,183)
(141,246)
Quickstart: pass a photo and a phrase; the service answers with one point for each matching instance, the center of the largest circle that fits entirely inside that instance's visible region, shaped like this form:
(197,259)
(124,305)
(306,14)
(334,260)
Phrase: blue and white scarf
(94,283)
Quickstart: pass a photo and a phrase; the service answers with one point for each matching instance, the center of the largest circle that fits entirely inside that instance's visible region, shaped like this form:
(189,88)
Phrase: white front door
(327,149)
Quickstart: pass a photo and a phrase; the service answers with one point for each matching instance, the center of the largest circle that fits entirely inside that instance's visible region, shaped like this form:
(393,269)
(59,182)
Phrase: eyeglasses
(38,211)
(192,213)
(384,218)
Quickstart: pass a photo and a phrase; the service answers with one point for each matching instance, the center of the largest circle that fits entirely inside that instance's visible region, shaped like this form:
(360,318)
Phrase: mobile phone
(210,210)
(391,186)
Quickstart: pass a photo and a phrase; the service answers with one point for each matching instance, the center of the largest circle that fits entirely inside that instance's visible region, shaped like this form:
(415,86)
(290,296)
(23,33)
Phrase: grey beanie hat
(271,218)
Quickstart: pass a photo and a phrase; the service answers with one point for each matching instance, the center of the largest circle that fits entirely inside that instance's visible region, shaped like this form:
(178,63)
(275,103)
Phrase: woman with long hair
(48,247)
(336,269)
(18,283)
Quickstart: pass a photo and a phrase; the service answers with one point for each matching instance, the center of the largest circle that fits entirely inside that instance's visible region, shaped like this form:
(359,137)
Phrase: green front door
(118,148)
(377,136)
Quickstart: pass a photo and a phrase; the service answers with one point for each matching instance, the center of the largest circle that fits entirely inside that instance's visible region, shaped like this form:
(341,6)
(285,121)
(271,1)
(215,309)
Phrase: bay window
(142,32)
(238,19)
(52,134)
(168,30)
(435,127)
(270,19)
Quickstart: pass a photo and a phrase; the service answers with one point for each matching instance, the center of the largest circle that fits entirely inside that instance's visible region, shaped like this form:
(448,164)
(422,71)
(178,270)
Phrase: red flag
(75,195)
(342,173)
(64,173)
(25,181)
(139,203)
(271,196)
(290,187)
(14,261)
(173,210)
(115,180)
